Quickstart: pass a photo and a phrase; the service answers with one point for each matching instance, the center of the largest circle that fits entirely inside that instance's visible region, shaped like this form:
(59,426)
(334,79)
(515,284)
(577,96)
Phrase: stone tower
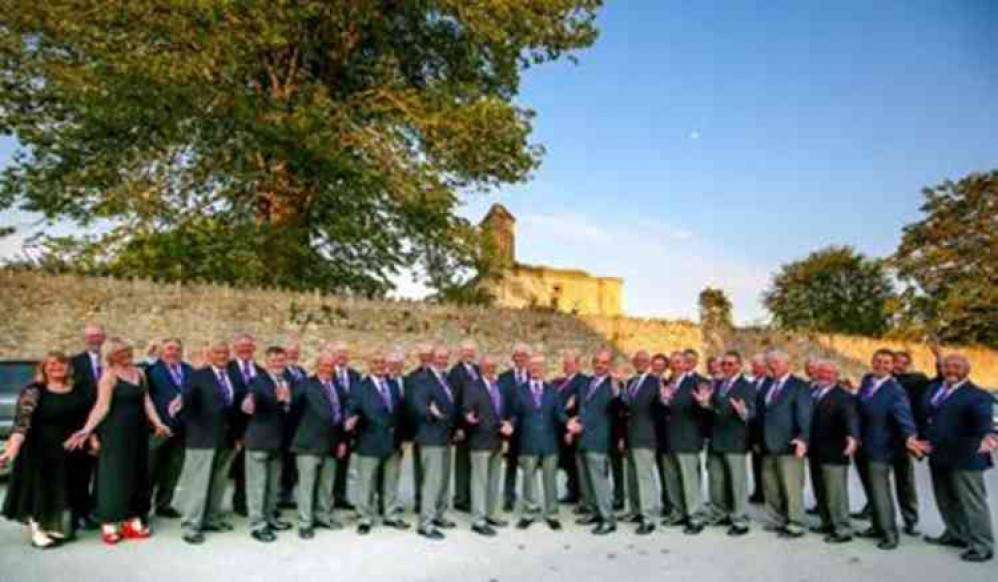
(500,224)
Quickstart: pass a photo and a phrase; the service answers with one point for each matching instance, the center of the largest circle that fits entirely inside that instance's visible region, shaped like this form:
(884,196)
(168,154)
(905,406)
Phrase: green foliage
(833,290)
(284,142)
(715,309)
(949,260)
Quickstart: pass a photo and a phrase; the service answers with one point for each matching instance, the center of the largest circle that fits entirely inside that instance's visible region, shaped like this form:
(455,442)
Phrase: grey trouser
(594,478)
(436,462)
(263,474)
(486,468)
(548,465)
(367,499)
(728,486)
(831,491)
(202,484)
(682,473)
(783,484)
(316,475)
(166,462)
(881,497)
(962,499)
(641,482)
(904,485)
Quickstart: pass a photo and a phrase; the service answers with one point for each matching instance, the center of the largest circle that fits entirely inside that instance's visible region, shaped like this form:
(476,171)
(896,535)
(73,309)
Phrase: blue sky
(710,142)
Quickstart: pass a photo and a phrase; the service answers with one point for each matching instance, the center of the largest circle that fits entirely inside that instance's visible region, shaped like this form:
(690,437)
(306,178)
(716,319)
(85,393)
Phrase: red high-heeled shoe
(131,532)
(110,538)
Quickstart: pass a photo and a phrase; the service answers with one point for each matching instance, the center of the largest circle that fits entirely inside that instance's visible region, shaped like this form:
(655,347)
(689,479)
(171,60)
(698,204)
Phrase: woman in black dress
(48,411)
(123,413)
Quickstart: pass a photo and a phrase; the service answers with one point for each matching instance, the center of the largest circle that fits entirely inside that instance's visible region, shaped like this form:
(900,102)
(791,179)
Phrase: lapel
(779,397)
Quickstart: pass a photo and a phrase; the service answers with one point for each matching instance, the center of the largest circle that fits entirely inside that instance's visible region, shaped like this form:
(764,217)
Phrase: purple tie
(178,376)
(246,372)
(592,387)
(496,402)
(443,382)
(223,379)
(97,369)
(774,392)
(385,394)
(726,387)
(635,386)
(942,395)
(536,390)
(334,401)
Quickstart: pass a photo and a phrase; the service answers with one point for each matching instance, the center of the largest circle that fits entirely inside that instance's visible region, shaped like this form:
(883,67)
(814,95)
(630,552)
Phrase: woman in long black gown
(123,413)
(48,412)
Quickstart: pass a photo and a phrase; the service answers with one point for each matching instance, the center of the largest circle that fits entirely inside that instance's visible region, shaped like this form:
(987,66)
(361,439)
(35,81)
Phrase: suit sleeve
(901,412)
(982,417)
(803,410)
(421,403)
(850,414)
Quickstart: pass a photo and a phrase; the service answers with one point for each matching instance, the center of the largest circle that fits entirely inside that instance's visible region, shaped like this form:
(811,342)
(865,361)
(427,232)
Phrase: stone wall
(40,312)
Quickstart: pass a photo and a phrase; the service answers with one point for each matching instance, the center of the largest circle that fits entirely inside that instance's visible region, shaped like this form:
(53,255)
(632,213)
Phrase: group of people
(107,442)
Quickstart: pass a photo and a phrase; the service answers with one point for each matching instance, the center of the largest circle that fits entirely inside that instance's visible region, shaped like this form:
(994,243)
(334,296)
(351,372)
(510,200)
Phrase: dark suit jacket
(241,387)
(163,389)
(596,412)
(786,418)
(537,425)
(956,426)
(459,378)
(317,433)
(835,419)
(885,420)
(430,430)
(915,385)
(354,377)
(378,421)
(266,428)
(410,420)
(208,422)
(83,375)
(727,431)
(483,436)
(642,412)
(686,426)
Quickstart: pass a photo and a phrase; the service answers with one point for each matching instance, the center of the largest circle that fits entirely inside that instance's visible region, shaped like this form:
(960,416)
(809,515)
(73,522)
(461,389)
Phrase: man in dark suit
(598,403)
(730,406)
(374,413)
(295,374)
(642,409)
(242,369)
(268,403)
(686,437)
(210,406)
(835,437)
(464,372)
(568,385)
(915,385)
(488,427)
(412,380)
(887,427)
(318,443)
(960,439)
(88,366)
(168,378)
(537,419)
(758,379)
(508,382)
(346,379)
(660,370)
(437,411)
(784,427)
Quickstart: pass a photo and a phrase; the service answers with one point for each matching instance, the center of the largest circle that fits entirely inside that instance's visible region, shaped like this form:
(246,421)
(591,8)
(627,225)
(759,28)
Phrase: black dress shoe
(396,524)
(888,543)
(523,524)
(645,528)
(870,534)
(263,535)
(433,534)
(444,523)
(306,533)
(693,529)
(364,529)
(589,520)
(194,538)
(863,514)
(945,540)
(911,529)
(168,513)
(343,504)
(738,530)
(835,538)
(484,530)
(975,556)
(604,528)
(278,525)
(554,524)
(496,522)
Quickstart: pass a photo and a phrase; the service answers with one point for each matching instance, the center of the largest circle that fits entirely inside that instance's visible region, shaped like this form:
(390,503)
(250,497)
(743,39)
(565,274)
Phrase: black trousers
(341,480)
(617,469)
(81,467)
(567,462)
(238,474)
(289,476)
(757,489)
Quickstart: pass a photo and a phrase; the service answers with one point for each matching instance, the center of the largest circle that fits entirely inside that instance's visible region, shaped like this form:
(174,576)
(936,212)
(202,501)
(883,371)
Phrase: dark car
(14,375)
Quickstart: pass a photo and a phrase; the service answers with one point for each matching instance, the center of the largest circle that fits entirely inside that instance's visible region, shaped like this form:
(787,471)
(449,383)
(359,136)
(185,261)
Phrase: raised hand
(249,405)
(703,394)
(740,408)
(852,445)
(152,349)
(506,428)
(175,406)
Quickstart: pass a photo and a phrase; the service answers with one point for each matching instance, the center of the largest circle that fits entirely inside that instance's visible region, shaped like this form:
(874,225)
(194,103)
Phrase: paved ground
(538,554)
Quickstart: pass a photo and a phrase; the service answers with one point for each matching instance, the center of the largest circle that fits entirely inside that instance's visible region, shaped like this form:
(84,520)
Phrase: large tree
(949,259)
(289,142)
(832,290)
